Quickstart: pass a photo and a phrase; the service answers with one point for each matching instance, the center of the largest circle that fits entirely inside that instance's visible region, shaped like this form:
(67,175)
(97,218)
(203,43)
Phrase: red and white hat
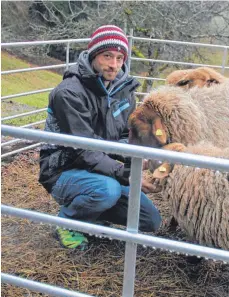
(108,37)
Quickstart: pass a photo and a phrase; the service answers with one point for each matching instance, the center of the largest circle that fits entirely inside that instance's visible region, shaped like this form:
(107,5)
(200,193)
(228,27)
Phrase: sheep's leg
(171,224)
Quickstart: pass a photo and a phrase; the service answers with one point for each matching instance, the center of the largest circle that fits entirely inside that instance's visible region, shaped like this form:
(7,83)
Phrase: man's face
(108,63)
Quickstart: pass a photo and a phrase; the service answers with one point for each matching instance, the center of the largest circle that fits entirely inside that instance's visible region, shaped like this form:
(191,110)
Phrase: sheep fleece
(200,201)
(194,115)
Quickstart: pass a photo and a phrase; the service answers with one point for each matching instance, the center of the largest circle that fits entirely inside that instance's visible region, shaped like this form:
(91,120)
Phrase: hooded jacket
(81,105)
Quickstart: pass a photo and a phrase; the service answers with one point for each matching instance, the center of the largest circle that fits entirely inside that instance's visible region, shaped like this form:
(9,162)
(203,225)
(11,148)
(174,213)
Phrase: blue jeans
(92,197)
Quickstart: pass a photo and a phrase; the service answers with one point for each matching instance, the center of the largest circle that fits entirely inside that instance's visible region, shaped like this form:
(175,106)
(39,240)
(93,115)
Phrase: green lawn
(25,82)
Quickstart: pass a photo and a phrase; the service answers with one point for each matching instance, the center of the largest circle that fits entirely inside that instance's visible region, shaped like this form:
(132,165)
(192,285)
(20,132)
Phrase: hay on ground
(30,250)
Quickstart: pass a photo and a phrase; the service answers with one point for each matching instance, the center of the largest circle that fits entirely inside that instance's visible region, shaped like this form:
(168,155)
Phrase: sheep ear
(159,132)
(162,171)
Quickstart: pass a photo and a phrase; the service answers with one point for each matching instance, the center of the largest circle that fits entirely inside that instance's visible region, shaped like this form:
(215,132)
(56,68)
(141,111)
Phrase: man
(94,100)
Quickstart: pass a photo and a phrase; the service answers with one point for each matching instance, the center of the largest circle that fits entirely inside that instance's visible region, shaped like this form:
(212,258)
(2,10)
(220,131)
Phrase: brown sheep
(200,77)
(176,76)
(198,197)
(171,114)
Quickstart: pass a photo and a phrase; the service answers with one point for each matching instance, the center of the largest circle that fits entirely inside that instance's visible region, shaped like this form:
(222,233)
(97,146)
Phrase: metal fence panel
(118,148)
(131,236)
(40,287)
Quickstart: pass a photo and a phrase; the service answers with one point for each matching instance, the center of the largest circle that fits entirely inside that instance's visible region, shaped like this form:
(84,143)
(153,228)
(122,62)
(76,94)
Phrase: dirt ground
(30,250)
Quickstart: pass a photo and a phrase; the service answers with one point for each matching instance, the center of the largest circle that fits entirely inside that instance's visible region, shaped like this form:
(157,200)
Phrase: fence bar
(131,58)
(118,148)
(33,124)
(140,93)
(224,59)
(149,78)
(23,114)
(130,40)
(135,191)
(178,63)
(39,287)
(132,226)
(10,142)
(25,126)
(20,150)
(67,55)
(32,43)
(26,93)
(179,42)
(35,68)
(149,240)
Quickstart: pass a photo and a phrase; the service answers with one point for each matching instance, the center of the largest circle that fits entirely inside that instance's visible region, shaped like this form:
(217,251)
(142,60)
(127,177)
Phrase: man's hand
(145,164)
(150,164)
(148,187)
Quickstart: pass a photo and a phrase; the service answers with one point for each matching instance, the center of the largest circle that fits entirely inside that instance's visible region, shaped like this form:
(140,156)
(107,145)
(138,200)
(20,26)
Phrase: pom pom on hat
(108,37)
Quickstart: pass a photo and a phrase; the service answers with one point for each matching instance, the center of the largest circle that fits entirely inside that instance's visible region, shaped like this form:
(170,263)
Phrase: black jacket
(81,105)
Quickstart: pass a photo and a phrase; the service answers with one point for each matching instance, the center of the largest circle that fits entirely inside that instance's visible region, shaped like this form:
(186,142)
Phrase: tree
(14,17)
(193,21)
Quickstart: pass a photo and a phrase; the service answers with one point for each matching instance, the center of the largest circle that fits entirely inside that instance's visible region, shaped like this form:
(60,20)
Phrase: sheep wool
(189,116)
(200,77)
(199,199)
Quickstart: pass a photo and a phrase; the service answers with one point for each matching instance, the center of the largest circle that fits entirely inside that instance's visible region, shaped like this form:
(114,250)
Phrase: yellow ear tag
(159,132)
(162,169)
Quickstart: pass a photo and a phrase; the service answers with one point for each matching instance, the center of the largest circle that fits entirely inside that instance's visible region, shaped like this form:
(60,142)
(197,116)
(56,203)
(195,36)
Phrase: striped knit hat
(108,37)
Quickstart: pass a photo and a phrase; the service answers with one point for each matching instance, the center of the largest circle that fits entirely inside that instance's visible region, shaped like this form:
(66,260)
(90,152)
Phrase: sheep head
(176,76)
(147,128)
(166,115)
(199,77)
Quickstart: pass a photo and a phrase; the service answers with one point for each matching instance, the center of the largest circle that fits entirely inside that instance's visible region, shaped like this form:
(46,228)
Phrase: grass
(25,82)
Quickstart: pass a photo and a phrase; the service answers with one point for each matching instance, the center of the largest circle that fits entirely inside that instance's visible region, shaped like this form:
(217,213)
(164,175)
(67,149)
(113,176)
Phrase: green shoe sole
(71,240)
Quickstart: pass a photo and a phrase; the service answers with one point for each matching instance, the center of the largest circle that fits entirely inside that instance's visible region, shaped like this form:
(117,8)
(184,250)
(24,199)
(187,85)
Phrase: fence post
(125,26)
(130,38)
(132,226)
(224,60)
(67,55)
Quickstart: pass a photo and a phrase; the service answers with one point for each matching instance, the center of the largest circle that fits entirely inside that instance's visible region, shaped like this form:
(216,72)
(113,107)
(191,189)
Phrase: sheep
(202,76)
(171,114)
(198,198)
(176,76)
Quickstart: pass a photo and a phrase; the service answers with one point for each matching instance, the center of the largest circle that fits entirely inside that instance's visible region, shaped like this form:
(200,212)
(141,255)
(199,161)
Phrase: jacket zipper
(108,97)
(110,93)
(122,85)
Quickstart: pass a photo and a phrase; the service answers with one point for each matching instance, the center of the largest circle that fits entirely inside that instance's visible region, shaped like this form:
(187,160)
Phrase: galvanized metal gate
(131,235)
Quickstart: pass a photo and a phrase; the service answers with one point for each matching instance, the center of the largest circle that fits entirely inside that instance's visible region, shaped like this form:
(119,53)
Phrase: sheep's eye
(183,82)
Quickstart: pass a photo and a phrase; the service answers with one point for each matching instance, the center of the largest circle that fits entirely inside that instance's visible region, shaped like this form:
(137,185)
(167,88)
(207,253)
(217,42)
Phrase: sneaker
(71,239)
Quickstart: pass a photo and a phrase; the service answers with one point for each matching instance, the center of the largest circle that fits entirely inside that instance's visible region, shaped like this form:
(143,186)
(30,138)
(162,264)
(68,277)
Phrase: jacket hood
(83,70)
